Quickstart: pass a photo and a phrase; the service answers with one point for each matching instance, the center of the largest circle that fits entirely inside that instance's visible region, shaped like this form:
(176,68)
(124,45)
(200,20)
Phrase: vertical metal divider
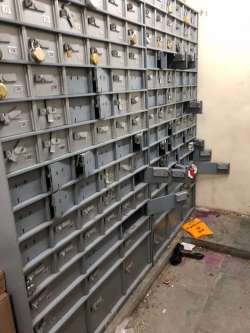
(10,259)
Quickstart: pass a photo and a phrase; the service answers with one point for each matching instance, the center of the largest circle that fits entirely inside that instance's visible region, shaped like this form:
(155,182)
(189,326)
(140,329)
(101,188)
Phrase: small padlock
(3,91)
(158,42)
(170,7)
(94,56)
(37,52)
(68,50)
(132,38)
(169,44)
(186,19)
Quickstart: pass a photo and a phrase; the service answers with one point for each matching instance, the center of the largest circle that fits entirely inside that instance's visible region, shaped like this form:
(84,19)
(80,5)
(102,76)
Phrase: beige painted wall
(224,87)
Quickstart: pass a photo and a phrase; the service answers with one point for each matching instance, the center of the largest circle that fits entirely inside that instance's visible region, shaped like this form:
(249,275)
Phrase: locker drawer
(86,188)
(126,187)
(162,79)
(92,233)
(152,95)
(50,113)
(159,236)
(150,38)
(93,255)
(81,137)
(19,154)
(136,102)
(135,80)
(13,77)
(151,59)
(95,24)
(15,119)
(42,16)
(160,21)
(131,234)
(27,186)
(160,41)
(124,168)
(136,262)
(103,131)
(151,79)
(67,253)
(117,56)
(53,145)
(80,109)
(109,198)
(77,81)
(161,97)
(127,206)
(134,11)
(135,58)
(64,228)
(111,219)
(152,118)
(60,310)
(103,268)
(104,299)
(118,80)
(117,32)
(88,212)
(162,131)
(120,104)
(46,81)
(31,217)
(70,18)
(47,42)
(10,43)
(123,148)
(138,122)
(121,127)
(139,160)
(7,9)
(153,153)
(34,246)
(76,323)
(74,51)
(54,289)
(62,201)
(100,49)
(105,155)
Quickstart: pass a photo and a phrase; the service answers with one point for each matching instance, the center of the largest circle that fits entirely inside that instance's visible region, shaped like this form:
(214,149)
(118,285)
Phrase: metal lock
(130,7)
(67,48)
(132,38)
(91,21)
(3,91)
(169,43)
(158,42)
(94,56)
(5,118)
(36,50)
(148,38)
(134,100)
(170,7)
(135,121)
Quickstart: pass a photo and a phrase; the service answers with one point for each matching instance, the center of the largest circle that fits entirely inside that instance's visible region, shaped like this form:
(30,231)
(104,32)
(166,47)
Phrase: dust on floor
(207,296)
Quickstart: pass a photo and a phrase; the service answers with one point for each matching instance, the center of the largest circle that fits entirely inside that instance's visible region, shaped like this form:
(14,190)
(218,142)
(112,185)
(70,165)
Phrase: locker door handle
(29,4)
(92,21)
(38,78)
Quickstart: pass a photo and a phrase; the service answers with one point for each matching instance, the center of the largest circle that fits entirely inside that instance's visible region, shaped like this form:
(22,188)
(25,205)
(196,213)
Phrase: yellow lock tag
(3,91)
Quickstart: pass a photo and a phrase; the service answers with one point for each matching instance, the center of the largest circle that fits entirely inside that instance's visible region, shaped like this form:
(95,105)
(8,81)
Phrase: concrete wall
(224,87)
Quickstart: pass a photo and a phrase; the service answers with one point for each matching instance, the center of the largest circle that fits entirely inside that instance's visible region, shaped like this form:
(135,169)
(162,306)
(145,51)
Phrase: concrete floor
(208,296)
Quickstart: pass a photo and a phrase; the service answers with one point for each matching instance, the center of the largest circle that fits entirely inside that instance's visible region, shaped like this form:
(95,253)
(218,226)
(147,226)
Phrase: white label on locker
(18,89)
(46,19)
(5,9)
(12,49)
(51,54)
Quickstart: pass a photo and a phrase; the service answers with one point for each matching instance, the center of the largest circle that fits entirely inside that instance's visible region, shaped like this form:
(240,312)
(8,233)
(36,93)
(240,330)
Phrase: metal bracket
(166,203)
(194,107)
(85,164)
(211,168)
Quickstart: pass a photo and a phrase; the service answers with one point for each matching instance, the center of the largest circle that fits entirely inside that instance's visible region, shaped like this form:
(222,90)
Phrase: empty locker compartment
(10,42)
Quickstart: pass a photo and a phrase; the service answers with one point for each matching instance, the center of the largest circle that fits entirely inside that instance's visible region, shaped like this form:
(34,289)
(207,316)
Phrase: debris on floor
(197,228)
(124,326)
(179,252)
(188,246)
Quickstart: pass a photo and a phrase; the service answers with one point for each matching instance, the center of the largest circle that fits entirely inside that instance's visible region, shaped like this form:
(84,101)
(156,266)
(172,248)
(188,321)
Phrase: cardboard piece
(6,317)
(2,282)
